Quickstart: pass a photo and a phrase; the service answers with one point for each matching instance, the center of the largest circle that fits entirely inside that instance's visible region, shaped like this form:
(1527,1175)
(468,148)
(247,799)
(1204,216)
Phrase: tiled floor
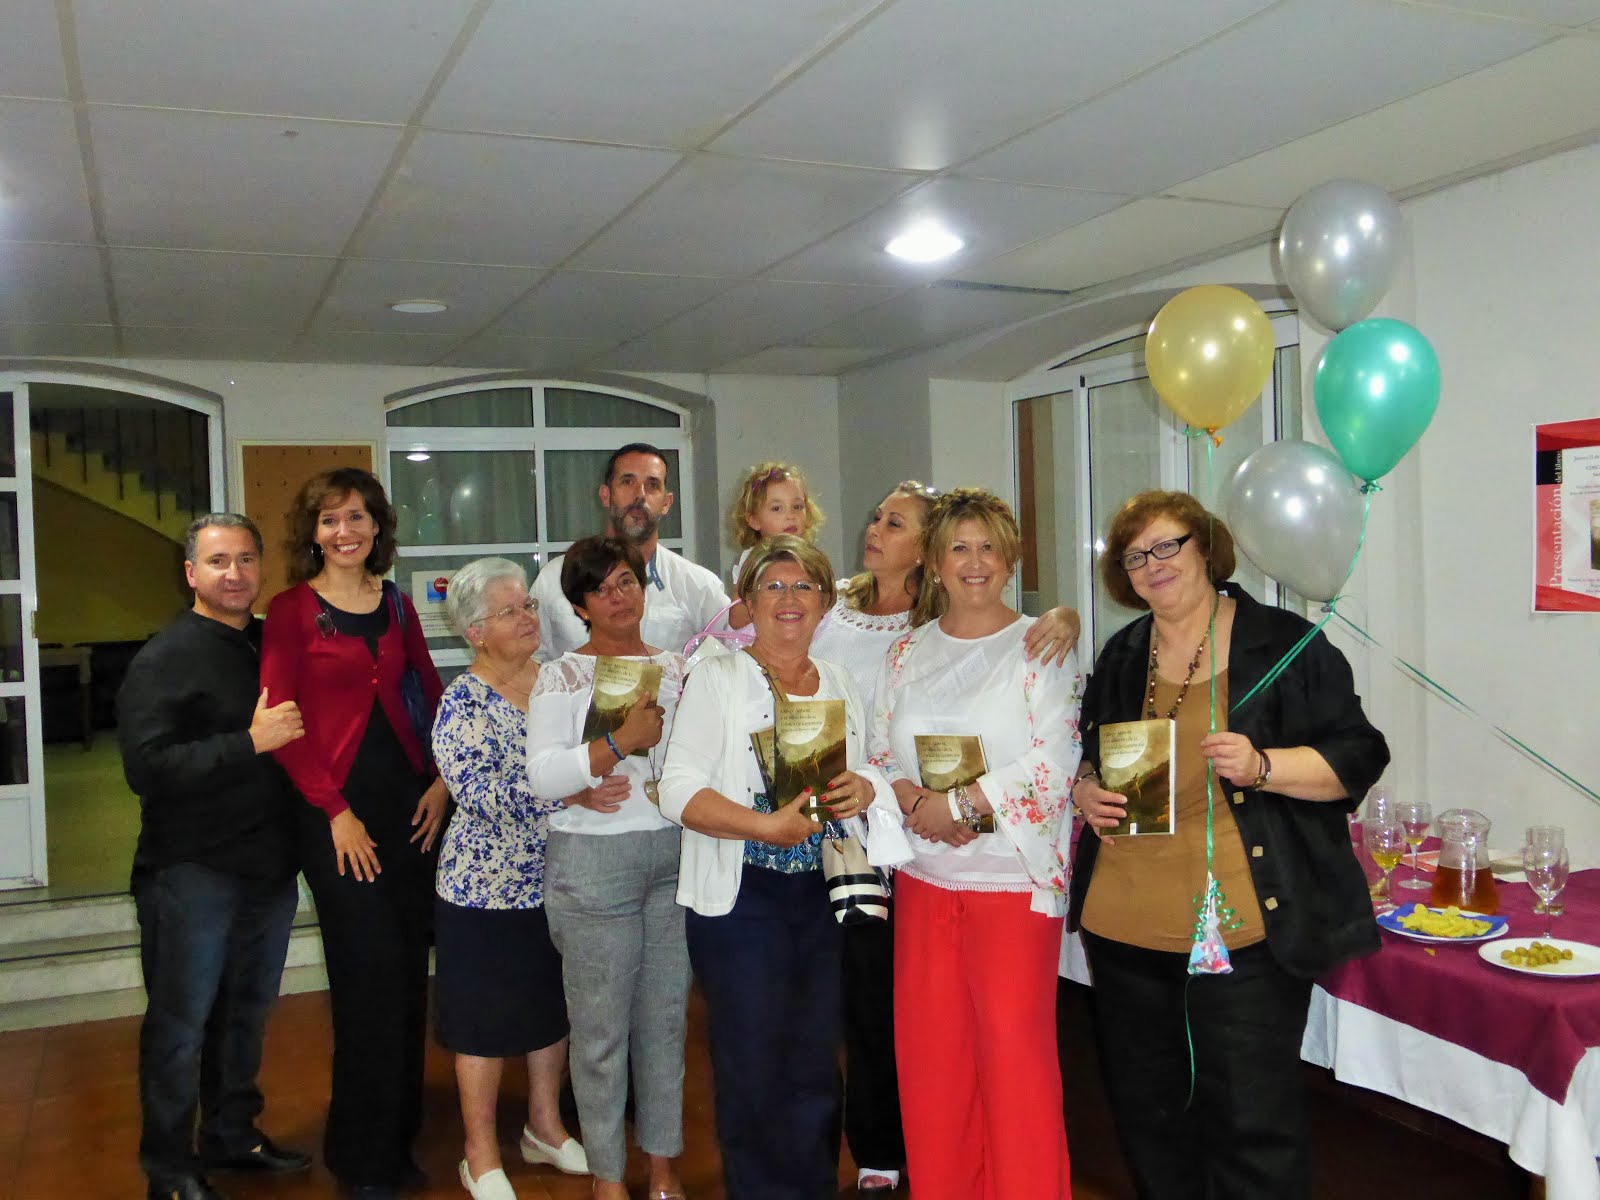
(69,1124)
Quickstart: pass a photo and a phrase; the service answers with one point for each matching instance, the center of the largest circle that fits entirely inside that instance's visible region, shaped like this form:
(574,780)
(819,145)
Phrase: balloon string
(1422,679)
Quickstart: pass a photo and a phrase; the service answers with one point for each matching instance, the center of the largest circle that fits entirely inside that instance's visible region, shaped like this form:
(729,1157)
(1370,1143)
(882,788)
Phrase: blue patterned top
(791,860)
(492,854)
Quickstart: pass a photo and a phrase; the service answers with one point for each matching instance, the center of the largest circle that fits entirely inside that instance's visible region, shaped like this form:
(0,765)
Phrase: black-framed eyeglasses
(1134,559)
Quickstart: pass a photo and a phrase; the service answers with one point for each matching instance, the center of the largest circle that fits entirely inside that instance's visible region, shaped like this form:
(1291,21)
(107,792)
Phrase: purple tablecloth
(1539,1025)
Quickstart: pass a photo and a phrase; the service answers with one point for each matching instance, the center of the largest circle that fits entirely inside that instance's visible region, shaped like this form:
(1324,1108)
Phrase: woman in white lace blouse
(611,877)
(498,976)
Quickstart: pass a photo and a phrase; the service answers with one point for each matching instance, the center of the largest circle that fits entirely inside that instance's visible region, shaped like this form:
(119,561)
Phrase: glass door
(22,833)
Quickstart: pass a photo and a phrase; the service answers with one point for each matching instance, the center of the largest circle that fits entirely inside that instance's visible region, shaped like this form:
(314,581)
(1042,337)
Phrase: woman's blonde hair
(787,548)
(752,494)
(928,602)
(968,504)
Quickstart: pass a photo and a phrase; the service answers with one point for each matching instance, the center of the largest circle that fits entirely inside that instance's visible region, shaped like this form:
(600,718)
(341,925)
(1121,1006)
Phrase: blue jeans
(770,971)
(212,950)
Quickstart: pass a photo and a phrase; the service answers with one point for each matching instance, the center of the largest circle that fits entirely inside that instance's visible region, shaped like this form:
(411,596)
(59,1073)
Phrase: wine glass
(1546,866)
(1386,842)
(1380,804)
(1415,815)
(1546,835)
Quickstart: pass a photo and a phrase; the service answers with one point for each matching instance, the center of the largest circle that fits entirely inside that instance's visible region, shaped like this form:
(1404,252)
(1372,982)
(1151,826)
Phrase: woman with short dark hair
(340,642)
(611,870)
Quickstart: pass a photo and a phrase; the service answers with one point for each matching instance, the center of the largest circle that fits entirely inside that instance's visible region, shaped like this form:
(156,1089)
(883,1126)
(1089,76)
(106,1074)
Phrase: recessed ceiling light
(419,306)
(925,243)
(418,456)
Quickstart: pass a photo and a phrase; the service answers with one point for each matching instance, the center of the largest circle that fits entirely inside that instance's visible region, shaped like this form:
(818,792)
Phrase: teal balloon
(1377,388)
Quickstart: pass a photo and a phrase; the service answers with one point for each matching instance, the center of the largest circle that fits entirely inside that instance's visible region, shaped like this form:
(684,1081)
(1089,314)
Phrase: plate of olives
(1543,956)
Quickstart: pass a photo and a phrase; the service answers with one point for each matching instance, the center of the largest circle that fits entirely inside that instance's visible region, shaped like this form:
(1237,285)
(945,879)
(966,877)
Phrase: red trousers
(975,1041)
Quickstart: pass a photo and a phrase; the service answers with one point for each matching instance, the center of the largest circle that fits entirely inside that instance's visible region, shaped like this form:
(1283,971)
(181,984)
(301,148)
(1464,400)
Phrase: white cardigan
(710,748)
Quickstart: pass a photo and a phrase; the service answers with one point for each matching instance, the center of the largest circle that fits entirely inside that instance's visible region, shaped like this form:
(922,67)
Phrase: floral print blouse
(492,854)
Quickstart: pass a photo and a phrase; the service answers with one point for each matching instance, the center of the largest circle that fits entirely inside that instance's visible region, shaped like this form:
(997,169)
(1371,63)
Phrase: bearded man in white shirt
(681,597)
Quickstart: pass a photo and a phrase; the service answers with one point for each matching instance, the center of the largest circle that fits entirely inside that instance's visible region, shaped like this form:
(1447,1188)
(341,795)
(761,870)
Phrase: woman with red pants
(979,906)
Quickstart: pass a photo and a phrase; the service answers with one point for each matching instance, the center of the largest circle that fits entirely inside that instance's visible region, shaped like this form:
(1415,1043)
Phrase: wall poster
(1566,517)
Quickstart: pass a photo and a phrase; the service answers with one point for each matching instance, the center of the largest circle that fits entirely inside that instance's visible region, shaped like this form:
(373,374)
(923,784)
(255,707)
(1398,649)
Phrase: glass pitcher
(1463,877)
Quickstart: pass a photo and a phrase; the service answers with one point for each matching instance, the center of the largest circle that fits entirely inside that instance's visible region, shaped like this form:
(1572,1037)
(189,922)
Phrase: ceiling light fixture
(418,456)
(925,243)
(419,306)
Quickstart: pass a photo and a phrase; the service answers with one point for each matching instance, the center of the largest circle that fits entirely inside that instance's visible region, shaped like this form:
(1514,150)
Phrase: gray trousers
(614,916)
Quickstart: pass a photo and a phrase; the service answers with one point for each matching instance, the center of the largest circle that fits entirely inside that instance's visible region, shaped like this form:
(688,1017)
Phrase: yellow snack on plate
(1448,923)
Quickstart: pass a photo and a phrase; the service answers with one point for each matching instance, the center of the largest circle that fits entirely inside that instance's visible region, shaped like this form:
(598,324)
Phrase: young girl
(772,499)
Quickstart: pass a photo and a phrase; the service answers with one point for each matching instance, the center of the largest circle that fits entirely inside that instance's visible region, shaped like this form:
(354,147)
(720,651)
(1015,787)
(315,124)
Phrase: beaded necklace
(1194,665)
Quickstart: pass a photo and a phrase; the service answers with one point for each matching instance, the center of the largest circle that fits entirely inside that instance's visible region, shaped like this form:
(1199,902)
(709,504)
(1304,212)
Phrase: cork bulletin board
(270,474)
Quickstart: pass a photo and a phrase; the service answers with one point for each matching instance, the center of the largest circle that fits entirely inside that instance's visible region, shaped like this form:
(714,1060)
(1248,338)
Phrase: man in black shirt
(213,873)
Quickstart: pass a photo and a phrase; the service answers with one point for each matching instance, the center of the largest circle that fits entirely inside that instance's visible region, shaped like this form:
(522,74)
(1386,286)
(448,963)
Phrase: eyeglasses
(324,623)
(628,582)
(912,488)
(1134,559)
(529,607)
(802,588)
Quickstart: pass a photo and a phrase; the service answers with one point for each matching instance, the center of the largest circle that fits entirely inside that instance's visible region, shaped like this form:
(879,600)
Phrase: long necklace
(1194,665)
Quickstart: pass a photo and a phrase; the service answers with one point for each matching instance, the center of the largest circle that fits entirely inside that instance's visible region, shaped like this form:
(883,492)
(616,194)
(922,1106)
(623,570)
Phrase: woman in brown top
(1288,765)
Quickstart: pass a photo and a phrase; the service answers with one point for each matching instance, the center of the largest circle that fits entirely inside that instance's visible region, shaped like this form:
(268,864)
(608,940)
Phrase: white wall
(1502,280)
(884,437)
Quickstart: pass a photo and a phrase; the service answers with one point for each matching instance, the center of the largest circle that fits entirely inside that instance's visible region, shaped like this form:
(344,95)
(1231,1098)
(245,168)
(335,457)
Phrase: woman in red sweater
(339,643)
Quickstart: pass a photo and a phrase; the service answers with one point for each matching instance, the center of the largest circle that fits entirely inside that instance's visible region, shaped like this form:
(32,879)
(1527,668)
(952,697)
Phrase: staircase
(66,961)
(150,463)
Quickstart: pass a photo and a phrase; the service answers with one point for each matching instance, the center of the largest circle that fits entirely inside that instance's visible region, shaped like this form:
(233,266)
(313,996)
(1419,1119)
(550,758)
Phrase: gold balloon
(1209,354)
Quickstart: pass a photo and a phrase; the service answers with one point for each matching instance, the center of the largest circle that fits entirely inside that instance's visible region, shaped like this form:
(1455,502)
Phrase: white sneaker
(568,1157)
(491,1185)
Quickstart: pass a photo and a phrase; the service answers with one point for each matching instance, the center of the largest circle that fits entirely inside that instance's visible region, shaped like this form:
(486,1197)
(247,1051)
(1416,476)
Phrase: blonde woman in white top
(611,876)
(762,936)
(978,915)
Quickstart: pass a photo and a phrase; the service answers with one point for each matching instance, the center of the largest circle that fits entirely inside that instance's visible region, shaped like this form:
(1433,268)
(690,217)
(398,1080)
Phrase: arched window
(1089,432)
(513,468)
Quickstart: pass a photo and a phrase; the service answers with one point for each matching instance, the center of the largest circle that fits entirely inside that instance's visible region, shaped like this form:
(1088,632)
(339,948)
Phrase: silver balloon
(1339,246)
(1295,510)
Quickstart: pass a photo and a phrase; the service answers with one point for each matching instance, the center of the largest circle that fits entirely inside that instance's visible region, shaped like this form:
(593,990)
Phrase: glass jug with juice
(1463,877)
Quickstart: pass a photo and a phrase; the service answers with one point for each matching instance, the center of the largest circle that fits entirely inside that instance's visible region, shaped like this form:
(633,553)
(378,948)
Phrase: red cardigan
(334,679)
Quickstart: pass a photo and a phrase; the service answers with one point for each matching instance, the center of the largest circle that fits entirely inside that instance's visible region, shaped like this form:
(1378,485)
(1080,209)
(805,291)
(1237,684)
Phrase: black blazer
(1313,892)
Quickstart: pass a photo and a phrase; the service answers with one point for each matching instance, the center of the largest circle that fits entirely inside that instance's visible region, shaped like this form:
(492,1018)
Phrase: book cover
(951,760)
(618,684)
(808,737)
(1136,761)
(762,741)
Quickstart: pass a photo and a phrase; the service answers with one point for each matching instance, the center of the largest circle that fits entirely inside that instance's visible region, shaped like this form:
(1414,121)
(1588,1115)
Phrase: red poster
(1566,517)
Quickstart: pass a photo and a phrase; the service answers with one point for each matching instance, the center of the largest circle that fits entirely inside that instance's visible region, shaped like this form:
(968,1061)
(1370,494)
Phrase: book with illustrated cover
(618,684)
(1137,761)
(951,760)
(762,742)
(808,750)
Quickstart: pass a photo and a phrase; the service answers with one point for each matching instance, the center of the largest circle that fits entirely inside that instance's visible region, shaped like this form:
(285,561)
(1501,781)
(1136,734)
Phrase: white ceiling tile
(357,346)
(1177,122)
(1128,241)
(728,216)
(51,284)
(49,341)
(932,314)
(234,345)
(914,87)
(361,60)
(30,51)
(599,304)
(364,289)
(524,353)
(209,290)
(801,360)
(757,315)
(42,197)
(207,182)
(688,357)
(992,218)
(635,71)
(1549,94)
(1568,13)
(508,200)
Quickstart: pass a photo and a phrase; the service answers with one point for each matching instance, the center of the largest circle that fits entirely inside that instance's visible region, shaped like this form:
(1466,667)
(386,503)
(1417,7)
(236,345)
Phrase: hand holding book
(791,824)
(641,728)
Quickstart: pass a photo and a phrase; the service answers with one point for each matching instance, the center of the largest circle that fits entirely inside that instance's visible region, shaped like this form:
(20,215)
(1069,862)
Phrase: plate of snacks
(1544,956)
(1441,925)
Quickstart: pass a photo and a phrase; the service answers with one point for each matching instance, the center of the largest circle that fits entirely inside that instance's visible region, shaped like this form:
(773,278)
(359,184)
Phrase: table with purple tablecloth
(1515,1056)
